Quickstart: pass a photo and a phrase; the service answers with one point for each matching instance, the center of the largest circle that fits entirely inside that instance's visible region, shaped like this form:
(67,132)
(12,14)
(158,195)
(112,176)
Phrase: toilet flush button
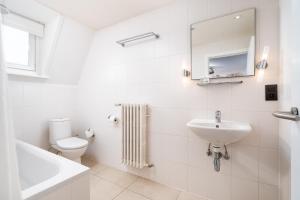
(271,93)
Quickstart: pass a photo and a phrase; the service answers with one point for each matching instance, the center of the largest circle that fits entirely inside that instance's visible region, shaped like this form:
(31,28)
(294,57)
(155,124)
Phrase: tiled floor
(107,183)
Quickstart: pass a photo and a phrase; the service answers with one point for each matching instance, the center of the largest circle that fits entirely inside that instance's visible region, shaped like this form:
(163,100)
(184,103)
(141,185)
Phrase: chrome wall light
(263,63)
(186,73)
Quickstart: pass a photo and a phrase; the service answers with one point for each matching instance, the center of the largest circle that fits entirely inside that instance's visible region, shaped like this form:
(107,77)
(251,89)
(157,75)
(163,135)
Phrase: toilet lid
(72,143)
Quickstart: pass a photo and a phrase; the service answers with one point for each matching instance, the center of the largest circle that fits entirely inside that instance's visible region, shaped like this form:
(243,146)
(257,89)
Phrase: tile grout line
(123,188)
(139,194)
(126,188)
(156,183)
(114,182)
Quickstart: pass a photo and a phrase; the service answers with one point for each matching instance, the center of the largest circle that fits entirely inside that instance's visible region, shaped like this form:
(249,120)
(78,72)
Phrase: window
(21,36)
(19,48)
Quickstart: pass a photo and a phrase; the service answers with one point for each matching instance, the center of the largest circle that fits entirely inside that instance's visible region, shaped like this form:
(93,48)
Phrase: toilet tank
(59,129)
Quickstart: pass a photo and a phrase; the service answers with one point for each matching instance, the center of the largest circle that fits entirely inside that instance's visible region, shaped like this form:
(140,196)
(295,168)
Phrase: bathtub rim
(67,171)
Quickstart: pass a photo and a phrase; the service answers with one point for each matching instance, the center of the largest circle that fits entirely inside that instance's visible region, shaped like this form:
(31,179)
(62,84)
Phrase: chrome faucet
(218,116)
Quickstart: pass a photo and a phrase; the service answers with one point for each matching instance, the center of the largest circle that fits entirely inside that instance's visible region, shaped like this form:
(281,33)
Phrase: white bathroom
(149,100)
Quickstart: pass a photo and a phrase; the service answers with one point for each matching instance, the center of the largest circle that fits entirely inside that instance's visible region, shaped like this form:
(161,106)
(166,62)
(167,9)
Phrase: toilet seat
(71,143)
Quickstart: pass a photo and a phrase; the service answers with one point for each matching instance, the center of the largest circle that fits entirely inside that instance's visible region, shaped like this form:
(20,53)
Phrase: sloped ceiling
(100,13)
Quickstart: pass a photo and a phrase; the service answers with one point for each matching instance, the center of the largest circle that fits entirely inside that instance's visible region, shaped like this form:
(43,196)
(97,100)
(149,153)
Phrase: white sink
(220,134)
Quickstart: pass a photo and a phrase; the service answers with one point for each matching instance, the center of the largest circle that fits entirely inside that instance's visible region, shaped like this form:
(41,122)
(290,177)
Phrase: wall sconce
(263,63)
(186,73)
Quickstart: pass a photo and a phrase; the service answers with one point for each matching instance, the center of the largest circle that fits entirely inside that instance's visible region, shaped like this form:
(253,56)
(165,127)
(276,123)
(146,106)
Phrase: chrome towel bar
(138,37)
(293,115)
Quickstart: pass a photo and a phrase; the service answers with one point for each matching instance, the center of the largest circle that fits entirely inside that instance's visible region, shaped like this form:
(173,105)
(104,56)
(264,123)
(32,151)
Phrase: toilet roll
(89,133)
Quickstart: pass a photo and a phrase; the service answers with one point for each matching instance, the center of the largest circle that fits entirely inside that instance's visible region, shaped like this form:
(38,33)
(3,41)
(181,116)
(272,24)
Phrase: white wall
(295,166)
(70,53)
(35,101)
(151,73)
(289,83)
(285,101)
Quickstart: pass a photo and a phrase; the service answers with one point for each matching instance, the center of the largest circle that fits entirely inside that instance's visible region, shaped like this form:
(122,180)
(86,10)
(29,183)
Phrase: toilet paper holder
(113,119)
(89,133)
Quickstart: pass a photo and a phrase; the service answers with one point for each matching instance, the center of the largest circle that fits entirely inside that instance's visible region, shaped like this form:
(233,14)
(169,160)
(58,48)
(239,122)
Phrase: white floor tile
(93,180)
(153,190)
(105,190)
(93,165)
(118,177)
(188,196)
(128,195)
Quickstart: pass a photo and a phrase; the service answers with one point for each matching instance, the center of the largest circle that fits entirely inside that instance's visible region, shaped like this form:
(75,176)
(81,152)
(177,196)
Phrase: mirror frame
(219,16)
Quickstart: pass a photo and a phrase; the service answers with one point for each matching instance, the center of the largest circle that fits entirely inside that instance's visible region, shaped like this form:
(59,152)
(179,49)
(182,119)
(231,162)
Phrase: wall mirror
(224,47)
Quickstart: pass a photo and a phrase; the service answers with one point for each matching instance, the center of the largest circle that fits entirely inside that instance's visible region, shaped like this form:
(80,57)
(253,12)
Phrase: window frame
(32,55)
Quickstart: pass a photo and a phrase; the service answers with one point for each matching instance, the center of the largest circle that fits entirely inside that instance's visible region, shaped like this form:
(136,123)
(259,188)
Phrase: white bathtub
(46,176)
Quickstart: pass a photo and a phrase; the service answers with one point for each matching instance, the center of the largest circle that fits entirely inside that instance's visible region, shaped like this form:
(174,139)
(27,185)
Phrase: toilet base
(74,154)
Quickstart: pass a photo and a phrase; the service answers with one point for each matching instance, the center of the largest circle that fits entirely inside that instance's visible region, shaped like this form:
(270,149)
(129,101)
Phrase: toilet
(61,139)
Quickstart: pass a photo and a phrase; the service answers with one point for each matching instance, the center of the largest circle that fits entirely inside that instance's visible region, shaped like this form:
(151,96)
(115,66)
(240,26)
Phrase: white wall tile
(268,166)
(197,149)
(169,121)
(70,52)
(209,184)
(268,192)
(178,16)
(178,41)
(238,5)
(32,94)
(175,148)
(218,7)
(268,131)
(219,97)
(16,94)
(34,104)
(245,162)
(244,189)
(198,10)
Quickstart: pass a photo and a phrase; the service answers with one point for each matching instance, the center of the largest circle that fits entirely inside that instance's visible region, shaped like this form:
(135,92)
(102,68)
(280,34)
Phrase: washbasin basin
(219,134)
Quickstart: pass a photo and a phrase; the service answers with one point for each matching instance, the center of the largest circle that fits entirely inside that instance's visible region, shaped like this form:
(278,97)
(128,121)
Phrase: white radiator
(134,135)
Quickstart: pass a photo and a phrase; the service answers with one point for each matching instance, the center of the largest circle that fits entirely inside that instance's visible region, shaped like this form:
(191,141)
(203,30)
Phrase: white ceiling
(100,13)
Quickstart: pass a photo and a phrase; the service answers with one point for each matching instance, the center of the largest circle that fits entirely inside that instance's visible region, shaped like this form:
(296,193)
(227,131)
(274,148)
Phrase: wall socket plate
(271,92)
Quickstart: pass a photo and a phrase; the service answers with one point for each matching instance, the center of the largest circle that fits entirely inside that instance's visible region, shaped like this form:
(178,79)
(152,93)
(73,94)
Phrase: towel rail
(138,37)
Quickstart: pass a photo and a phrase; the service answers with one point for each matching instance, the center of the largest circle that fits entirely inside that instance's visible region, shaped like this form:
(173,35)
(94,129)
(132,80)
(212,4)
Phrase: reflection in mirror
(224,46)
